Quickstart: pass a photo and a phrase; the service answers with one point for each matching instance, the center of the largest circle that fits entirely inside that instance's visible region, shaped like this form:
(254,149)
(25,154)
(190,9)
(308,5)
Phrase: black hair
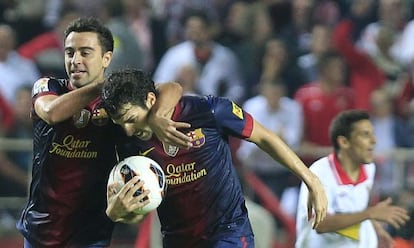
(343,124)
(126,86)
(92,24)
(199,13)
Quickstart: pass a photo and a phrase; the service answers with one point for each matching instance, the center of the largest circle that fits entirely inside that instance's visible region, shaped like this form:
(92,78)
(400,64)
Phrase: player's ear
(151,99)
(343,142)
(106,60)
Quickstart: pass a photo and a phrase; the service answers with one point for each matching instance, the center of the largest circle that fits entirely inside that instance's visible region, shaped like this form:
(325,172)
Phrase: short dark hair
(198,13)
(126,86)
(92,24)
(343,124)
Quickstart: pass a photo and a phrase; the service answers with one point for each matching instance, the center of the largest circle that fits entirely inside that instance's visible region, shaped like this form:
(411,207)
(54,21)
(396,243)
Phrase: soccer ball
(149,171)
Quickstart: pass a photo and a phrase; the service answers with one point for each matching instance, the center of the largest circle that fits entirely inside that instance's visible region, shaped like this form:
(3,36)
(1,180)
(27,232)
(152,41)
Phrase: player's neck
(350,167)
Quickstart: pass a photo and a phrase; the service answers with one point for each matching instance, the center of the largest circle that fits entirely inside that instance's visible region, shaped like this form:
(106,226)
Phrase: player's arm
(383,212)
(54,109)
(122,202)
(280,151)
(166,129)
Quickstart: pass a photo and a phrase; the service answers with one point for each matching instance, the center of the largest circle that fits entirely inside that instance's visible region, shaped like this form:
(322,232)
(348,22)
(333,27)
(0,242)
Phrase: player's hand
(166,131)
(385,212)
(317,202)
(122,203)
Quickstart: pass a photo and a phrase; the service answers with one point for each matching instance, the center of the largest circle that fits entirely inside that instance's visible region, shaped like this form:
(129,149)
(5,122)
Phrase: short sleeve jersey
(344,196)
(204,199)
(71,163)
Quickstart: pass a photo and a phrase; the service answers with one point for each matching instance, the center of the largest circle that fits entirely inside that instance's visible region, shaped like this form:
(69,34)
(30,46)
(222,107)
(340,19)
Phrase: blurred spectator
(364,75)
(395,72)
(46,49)
(282,115)
(15,70)
(175,11)
(187,77)
(295,19)
(278,65)
(132,34)
(392,15)
(217,65)
(385,129)
(26,17)
(22,127)
(320,43)
(6,116)
(14,165)
(246,29)
(321,101)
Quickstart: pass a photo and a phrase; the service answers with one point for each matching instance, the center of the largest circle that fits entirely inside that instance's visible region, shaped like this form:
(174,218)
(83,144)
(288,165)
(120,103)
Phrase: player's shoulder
(46,84)
(320,166)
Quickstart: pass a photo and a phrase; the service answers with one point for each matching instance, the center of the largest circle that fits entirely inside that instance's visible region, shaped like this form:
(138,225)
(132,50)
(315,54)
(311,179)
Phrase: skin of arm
(383,212)
(159,117)
(278,150)
(54,109)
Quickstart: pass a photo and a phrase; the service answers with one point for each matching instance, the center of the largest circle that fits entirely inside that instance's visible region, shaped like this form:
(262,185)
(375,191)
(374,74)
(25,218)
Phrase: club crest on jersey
(237,111)
(41,85)
(81,119)
(99,117)
(170,150)
(197,137)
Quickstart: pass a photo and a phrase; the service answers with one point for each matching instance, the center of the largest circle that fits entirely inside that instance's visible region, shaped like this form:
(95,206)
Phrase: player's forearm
(66,105)
(131,219)
(337,222)
(168,96)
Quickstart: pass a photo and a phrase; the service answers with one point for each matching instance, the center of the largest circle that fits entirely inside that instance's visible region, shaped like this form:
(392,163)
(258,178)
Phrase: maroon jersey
(71,164)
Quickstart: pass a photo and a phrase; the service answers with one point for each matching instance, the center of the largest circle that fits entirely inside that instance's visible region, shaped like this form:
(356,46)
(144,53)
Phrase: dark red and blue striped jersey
(71,164)
(204,198)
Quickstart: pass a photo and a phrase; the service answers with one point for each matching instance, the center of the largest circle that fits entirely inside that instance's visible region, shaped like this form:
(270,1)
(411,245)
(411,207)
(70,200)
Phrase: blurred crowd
(292,64)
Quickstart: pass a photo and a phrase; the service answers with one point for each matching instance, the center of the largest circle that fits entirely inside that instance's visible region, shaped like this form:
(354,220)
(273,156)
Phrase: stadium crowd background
(294,64)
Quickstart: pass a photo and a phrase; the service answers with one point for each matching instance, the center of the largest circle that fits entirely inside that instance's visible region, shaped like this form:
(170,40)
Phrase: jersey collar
(341,175)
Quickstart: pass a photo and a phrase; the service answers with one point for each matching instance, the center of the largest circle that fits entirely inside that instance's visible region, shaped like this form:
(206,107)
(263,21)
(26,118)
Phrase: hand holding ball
(148,171)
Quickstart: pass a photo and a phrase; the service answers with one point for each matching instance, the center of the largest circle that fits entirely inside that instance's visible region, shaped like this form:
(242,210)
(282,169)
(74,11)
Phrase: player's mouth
(77,73)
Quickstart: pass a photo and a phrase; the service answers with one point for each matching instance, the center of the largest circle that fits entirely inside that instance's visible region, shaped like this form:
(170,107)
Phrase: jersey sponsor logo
(197,137)
(41,85)
(170,150)
(146,152)
(99,117)
(81,119)
(237,111)
(70,147)
(183,173)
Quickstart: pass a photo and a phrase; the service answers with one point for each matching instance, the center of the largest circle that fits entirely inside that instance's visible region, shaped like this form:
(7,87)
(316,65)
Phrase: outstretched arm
(159,120)
(382,212)
(278,150)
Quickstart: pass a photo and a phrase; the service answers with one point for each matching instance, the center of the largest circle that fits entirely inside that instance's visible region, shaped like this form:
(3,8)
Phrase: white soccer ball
(149,171)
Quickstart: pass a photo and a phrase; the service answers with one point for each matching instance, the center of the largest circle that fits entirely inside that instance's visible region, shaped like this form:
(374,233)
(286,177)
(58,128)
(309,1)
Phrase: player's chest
(351,198)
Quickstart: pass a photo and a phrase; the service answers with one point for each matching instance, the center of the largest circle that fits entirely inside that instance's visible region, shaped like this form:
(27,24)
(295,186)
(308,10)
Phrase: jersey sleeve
(231,118)
(47,86)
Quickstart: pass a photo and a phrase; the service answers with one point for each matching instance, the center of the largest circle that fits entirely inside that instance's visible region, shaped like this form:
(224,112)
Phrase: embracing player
(204,204)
